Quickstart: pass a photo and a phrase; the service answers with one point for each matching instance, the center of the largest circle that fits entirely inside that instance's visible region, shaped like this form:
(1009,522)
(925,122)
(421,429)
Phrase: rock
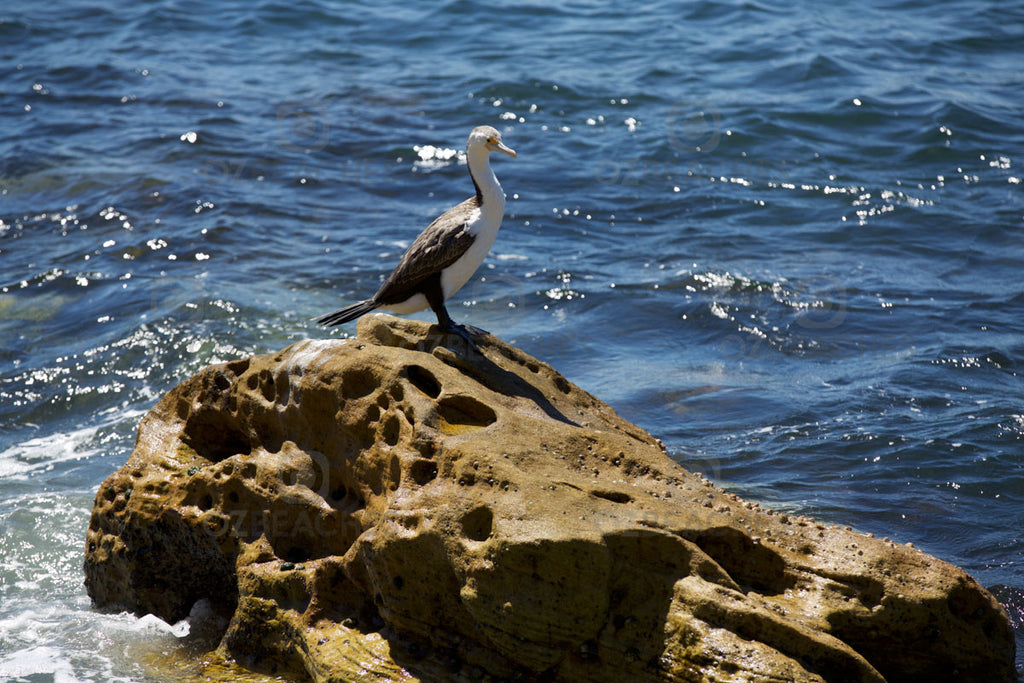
(386,508)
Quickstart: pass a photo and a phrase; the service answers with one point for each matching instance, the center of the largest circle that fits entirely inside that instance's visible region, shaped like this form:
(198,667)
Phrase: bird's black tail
(343,315)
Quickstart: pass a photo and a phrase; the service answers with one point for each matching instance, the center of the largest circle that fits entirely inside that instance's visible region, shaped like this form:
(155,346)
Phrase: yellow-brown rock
(385,508)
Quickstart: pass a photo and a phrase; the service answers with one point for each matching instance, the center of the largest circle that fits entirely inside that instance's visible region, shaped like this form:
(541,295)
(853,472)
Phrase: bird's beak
(500,147)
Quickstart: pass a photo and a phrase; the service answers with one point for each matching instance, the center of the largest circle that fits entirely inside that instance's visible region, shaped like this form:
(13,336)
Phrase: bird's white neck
(488,190)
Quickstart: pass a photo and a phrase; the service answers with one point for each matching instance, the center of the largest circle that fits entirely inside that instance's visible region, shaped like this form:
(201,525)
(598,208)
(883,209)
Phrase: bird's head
(488,138)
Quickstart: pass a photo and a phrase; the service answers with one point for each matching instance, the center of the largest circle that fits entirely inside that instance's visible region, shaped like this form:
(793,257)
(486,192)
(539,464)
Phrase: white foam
(42,453)
(154,624)
(56,640)
(82,644)
(38,660)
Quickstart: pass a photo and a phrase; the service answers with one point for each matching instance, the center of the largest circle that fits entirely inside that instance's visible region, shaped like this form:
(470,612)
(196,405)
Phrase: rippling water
(786,239)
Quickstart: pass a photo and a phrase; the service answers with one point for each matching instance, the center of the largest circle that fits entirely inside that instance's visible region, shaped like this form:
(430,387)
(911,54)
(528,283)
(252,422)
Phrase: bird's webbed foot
(466,332)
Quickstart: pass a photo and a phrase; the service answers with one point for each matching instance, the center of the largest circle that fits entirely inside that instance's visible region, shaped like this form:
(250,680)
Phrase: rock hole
(423,471)
(267,385)
(395,473)
(392,430)
(563,384)
(296,554)
(214,436)
(238,367)
(461,414)
(221,381)
(272,442)
(357,382)
(410,521)
(424,380)
(477,524)
(283,389)
(206,502)
(751,565)
(613,496)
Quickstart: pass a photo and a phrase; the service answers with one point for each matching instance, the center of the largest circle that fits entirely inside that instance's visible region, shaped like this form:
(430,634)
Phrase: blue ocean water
(786,239)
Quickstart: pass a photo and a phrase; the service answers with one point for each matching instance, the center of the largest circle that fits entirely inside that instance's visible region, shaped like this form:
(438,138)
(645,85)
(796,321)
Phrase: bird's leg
(435,297)
(451,327)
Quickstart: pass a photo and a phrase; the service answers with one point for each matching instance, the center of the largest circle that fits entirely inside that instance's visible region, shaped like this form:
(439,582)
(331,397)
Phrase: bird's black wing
(437,247)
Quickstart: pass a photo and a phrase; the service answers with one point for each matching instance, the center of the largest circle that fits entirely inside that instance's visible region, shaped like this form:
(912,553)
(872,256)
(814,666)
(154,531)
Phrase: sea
(787,239)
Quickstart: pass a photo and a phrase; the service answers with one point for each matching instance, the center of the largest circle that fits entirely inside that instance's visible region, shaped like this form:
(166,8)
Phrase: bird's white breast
(483,225)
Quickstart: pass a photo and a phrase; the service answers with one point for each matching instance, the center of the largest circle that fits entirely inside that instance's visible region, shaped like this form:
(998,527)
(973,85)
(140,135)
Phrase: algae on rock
(384,508)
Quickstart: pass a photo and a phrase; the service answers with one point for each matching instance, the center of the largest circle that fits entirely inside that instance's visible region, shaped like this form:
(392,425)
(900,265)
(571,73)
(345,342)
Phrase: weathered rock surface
(383,508)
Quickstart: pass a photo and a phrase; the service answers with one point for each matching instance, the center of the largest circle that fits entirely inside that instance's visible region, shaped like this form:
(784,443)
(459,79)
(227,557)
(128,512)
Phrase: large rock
(384,508)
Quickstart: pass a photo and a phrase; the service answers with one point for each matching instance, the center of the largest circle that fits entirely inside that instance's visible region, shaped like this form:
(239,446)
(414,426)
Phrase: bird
(447,253)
